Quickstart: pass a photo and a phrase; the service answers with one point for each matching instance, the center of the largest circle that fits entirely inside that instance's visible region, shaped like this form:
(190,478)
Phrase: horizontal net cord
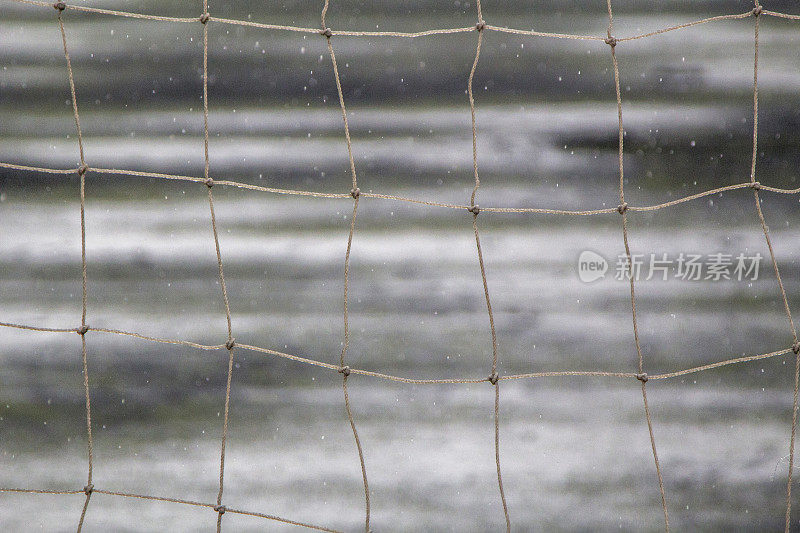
(721,363)
(401,379)
(533,210)
(687,25)
(779,14)
(101,11)
(337,368)
(40,491)
(38,328)
(15,166)
(349,33)
(167,500)
(444,31)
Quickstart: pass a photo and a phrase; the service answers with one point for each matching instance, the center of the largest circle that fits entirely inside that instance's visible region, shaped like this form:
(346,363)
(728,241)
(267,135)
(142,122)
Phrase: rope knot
(755,185)
(230,344)
(642,377)
(205,17)
(88,489)
(326,32)
(796,347)
(494,378)
(220,509)
(757,10)
(474,209)
(209,182)
(611,41)
(61,6)
(82,169)
(345,370)
(355,192)
(82,330)
(622,207)
(480,26)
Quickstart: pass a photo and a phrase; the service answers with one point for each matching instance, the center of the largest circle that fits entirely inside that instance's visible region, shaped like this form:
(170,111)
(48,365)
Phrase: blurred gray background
(575,452)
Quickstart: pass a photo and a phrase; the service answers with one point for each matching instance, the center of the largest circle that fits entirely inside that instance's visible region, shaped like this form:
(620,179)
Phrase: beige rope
(444,31)
(687,25)
(363,194)
(169,500)
(756,12)
(39,169)
(83,329)
(718,364)
(39,491)
(221,509)
(474,209)
(355,193)
(780,15)
(623,208)
(402,379)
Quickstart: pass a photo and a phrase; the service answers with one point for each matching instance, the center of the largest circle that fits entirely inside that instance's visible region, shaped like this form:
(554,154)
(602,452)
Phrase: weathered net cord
(219,508)
(474,209)
(612,42)
(354,193)
(757,11)
(316,194)
(167,500)
(82,330)
(350,33)
(402,379)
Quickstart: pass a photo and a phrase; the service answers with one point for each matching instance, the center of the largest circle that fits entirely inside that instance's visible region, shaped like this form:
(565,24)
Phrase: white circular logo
(591,266)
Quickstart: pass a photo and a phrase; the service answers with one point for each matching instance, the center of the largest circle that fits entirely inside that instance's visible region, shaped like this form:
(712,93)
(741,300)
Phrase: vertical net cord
(474,209)
(612,42)
(355,193)
(84,328)
(219,508)
(795,346)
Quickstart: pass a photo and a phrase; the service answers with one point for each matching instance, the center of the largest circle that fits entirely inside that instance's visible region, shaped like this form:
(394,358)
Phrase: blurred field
(575,452)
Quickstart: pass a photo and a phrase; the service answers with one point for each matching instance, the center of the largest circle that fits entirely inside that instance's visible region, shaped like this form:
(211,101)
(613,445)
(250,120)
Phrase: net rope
(355,195)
